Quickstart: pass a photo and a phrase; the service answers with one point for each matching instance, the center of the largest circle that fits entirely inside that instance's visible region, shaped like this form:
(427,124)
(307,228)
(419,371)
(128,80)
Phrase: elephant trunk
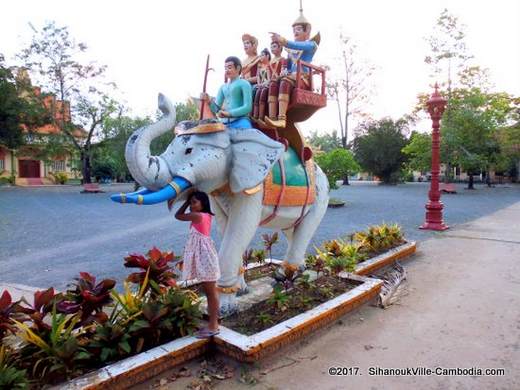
(150,171)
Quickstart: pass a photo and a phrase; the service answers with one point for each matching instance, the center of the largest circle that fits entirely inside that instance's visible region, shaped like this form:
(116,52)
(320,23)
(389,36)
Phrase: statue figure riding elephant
(212,161)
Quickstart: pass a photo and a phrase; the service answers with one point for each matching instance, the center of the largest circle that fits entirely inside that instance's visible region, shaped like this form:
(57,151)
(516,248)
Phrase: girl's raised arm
(181,214)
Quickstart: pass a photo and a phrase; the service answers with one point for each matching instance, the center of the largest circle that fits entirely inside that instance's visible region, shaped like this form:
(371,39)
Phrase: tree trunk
(488,179)
(85,167)
(344,142)
(447,175)
(345,180)
(470,182)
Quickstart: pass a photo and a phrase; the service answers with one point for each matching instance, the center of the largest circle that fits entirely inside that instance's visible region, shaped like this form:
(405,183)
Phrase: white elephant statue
(210,161)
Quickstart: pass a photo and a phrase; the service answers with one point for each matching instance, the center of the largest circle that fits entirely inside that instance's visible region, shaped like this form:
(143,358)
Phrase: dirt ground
(460,309)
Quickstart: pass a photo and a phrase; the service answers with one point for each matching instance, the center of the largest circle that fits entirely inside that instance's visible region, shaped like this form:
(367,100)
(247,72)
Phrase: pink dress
(200,255)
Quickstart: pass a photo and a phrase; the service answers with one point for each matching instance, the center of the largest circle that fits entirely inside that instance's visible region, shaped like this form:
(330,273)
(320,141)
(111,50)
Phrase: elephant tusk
(169,191)
(123,197)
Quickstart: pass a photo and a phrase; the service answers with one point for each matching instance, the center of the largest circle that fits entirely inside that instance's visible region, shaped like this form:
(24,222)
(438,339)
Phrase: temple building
(26,164)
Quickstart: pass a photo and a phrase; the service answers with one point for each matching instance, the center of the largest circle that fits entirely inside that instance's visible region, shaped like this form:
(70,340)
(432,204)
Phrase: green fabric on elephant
(294,170)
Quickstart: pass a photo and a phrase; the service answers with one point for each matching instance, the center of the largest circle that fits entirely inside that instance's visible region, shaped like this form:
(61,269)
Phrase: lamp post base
(434,226)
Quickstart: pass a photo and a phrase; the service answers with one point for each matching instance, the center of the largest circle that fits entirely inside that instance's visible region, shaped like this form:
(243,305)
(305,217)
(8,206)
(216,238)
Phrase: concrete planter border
(389,257)
(139,368)
(135,369)
(251,348)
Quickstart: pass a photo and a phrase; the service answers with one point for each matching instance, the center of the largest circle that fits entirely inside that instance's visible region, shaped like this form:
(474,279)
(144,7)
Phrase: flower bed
(362,252)
(284,305)
(249,348)
(63,335)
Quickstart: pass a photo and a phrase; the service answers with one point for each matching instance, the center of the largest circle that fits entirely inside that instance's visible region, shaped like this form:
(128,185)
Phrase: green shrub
(11,377)
(59,177)
(6,180)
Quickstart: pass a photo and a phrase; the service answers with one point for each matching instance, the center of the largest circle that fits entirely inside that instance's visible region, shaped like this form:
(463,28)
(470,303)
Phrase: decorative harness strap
(307,195)
(282,191)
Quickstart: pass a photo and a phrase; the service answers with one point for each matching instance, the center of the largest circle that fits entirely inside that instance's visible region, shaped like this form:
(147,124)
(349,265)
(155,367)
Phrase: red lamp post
(434,206)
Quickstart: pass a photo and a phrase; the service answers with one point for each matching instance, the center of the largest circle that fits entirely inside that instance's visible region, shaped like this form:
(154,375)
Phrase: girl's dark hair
(267,53)
(203,198)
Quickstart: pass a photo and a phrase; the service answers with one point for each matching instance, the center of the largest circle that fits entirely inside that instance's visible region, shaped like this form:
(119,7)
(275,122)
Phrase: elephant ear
(254,154)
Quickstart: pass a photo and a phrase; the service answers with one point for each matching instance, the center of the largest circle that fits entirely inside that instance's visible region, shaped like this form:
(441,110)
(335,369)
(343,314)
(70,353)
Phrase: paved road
(49,234)
(460,310)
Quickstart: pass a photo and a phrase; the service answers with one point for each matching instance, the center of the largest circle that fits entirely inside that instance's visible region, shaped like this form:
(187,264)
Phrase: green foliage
(56,61)
(63,335)
(325,142)
(279,299)
(18,106)
(55,352)
(110,153)
(337,164)
(379,149)
(419,152)
(184,111)
(378,238)
(104,168)
(11,377)
(59,177)
(110,342)
(472,130)
(264,318)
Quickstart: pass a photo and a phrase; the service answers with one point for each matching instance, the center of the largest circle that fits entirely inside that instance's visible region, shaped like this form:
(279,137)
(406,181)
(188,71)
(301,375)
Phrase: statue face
(299,33)
(249,48)
(231,71)
(276,49)
(265,58)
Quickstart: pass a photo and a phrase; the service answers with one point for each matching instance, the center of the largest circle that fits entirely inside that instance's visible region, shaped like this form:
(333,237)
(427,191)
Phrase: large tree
(324,142)
(448,57)
(337,164)
(473,129)
(20,108)
(419,152)
(55,59)
(379,149)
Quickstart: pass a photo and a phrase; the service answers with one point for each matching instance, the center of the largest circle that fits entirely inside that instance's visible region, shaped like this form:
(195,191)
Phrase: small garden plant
(63,335)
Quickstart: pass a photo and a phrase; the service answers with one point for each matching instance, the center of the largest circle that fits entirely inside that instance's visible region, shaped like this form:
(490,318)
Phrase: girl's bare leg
(210,289)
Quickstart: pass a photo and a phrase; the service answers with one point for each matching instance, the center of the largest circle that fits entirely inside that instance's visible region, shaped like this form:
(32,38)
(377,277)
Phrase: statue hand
(223,114)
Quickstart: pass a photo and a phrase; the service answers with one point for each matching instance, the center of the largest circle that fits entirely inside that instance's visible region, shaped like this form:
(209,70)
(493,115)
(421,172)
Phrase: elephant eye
(188,151)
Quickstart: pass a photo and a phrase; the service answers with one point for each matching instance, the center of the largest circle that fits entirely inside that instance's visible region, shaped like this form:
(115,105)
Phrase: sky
(161,46)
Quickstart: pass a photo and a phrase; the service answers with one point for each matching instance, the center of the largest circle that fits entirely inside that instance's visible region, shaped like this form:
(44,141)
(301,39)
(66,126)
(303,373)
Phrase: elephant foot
(243,291)
(243,288)
(228,304)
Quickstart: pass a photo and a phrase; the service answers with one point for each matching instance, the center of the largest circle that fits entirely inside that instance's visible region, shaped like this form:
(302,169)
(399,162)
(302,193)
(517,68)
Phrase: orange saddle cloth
(290,183)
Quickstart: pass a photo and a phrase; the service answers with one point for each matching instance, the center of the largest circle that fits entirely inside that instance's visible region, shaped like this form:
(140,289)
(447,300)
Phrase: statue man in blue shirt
(302,48)
(251,147)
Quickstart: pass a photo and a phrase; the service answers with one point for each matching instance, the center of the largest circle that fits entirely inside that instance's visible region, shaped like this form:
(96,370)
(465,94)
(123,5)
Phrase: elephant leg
(304,232)
(243,219)
(220,214)
(289,235)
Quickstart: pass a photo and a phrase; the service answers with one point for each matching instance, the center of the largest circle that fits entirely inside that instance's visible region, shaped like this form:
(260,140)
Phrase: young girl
(200,255)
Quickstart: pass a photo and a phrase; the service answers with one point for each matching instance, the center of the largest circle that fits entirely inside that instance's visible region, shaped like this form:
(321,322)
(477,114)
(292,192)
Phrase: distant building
(23,164)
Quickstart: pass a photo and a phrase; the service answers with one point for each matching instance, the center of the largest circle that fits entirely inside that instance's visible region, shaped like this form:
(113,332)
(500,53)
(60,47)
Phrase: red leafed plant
(87,297)
(155,270)
(42,305)
(8,312)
